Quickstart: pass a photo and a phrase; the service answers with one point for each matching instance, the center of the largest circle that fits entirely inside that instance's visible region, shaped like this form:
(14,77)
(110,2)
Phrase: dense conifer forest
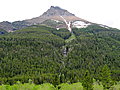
(46,55)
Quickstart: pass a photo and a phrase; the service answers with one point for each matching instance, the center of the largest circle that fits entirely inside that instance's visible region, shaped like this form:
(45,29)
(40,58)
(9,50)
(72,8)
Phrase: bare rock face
(9,27)
(57,11)
(54,14)
(6,26)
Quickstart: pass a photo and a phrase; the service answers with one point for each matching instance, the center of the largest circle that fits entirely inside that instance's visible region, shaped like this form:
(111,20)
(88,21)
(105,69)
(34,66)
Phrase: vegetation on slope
(37,53)
(48,86)
(2,32)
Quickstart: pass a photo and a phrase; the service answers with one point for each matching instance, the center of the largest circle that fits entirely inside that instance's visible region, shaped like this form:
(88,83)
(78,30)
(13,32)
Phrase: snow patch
(67,23)
(80,24)
(10,31)
(55,20)
(104,26)
(57,28)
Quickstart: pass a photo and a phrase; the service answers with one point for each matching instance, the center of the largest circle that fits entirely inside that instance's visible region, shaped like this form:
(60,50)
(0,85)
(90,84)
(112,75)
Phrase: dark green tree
(87,81)
(105,77)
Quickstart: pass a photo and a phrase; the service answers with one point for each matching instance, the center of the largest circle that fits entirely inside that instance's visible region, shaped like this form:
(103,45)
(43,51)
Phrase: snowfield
(80,24)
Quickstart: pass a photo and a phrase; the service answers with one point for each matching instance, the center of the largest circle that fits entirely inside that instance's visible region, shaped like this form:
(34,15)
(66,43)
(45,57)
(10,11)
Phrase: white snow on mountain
(80,24)
(55,20)
(67,23)
(105,26)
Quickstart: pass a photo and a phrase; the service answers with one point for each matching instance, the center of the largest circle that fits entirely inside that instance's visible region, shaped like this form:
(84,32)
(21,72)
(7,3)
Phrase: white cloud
(99,11)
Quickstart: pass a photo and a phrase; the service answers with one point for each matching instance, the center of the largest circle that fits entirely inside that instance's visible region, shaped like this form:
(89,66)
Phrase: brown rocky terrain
(55,13)
(55,17)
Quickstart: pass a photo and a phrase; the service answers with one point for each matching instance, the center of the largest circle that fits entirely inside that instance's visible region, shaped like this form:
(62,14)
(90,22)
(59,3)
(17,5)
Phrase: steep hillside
(45,54)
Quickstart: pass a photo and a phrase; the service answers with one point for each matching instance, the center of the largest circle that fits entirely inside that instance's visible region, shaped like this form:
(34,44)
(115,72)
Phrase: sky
(106,12)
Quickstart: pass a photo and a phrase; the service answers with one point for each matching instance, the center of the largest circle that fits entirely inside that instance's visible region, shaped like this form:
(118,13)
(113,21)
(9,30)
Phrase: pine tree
(105,77)
(87,81)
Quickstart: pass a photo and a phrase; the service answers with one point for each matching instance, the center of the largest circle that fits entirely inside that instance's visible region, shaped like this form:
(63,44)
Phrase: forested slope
(37,53)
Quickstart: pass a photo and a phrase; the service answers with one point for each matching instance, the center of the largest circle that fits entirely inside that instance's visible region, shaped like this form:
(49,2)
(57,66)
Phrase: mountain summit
(58,18)
(55,17)
(53,13)
(57,11)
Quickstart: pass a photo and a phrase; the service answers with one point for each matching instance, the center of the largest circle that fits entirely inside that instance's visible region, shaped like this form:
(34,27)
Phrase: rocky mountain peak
(57,11)
(54,13)
(55,17)
(55,7)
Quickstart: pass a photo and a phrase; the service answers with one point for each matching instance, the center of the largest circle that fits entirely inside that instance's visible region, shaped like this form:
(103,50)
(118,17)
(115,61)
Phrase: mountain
(55,17)
(58,18)
(54,13)
(37,50)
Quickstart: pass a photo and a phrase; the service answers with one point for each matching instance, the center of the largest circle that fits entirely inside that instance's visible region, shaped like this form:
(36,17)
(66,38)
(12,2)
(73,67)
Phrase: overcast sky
(105,12)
